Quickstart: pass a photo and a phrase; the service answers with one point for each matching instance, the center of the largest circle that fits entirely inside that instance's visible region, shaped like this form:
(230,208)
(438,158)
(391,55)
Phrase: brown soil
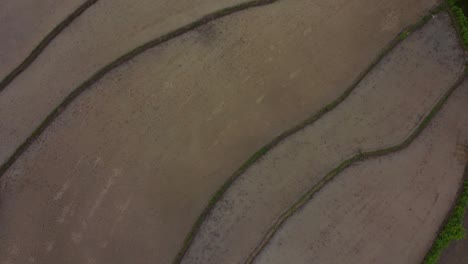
(335,40)
(385,210)
(383,110)
(104,32)
(23,24)
(123,173)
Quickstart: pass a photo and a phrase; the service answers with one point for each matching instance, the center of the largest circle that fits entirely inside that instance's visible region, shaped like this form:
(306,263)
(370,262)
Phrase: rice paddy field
(233,131)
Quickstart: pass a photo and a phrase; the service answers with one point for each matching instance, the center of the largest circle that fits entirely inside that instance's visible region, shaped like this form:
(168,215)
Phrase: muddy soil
(384,210)
(383,110)
(333,40)
(107,30)
(124,172)
(24,23)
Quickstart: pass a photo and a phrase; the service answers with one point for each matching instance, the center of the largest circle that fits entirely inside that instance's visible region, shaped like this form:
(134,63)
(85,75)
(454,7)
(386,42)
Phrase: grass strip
(44,43)
(453,228)
(119,61)
(312,119)
(460,20)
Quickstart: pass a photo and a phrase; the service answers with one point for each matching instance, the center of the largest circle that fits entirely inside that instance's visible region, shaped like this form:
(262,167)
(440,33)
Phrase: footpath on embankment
(122,171)
(382,111)
(25,24)
(383,210)
(97,43)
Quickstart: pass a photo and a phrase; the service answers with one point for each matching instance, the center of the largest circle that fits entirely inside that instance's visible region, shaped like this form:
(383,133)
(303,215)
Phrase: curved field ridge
(270,185)
(377,210)
(119,61)
(445,248)
(126,169)
(309,121)
(44,43)
(346,164)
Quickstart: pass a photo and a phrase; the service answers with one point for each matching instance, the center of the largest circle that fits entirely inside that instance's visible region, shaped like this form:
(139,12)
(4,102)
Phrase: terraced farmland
(233,131)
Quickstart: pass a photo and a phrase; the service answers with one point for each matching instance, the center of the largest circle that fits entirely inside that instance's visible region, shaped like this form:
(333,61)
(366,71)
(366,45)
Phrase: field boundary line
(358,157)
(118,62)
(10,77)
(309,121)
(452,227)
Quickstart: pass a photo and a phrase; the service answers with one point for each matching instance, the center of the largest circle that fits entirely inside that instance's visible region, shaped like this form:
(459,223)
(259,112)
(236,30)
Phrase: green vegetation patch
(404,35)
(459,9)
(452,230)
(464,5)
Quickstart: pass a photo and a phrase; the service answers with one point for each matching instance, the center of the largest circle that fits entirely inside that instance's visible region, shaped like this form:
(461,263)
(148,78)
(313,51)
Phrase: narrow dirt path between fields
(125,170)
(89,47)
(384,210)
(382,111)
(22,61)
(59,75)
(24,23)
